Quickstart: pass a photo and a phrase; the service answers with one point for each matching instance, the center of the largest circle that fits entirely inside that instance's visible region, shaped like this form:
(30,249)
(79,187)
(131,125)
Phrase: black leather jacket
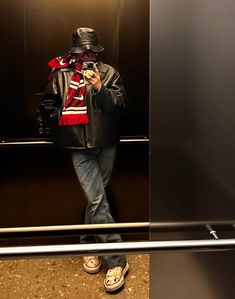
(104,108)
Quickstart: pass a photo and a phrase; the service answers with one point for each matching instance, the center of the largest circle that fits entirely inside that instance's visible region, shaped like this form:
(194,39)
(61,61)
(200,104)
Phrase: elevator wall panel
(192,137)
(38,185)
(37,31)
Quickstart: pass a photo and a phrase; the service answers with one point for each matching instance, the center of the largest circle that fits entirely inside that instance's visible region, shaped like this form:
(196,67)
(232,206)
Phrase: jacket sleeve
(111,98)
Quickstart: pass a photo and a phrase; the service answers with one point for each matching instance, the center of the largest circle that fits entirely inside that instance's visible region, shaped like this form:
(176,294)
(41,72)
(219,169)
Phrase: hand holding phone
(91,75)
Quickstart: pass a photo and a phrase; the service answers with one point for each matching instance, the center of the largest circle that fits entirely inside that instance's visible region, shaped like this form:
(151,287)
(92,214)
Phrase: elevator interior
(35,178)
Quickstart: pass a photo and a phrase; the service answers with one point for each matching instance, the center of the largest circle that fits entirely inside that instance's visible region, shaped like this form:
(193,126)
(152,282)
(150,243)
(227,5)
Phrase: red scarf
(74,111)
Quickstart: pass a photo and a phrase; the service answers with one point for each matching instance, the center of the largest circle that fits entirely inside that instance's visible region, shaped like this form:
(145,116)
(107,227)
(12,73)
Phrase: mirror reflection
(92,104)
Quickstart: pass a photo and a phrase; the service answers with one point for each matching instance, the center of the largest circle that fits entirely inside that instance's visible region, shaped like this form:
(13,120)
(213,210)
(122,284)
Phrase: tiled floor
(64,278)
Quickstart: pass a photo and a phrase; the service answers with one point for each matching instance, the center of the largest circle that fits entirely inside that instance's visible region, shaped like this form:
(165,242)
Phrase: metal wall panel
(38,184)
(192,138)
(38,187)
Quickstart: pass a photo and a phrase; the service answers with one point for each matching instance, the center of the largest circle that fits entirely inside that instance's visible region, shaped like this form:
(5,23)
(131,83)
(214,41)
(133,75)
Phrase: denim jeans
(93,168)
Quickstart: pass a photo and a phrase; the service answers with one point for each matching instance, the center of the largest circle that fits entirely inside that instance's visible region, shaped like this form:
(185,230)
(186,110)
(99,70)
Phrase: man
(86,117)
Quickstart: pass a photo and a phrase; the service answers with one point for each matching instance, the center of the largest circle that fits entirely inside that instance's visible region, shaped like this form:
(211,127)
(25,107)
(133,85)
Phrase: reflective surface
(38,186)
(34,184)
(40,30)
(192,140)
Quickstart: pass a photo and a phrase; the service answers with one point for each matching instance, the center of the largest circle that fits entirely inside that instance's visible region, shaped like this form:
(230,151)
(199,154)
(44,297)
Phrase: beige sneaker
(115,278)
(91,264)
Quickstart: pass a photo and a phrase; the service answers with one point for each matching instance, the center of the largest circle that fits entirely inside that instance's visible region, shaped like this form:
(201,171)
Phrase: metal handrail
(185,225)
(130,227)
(122,247)
(212,232)
(7,142)
(117,248)
(122,226)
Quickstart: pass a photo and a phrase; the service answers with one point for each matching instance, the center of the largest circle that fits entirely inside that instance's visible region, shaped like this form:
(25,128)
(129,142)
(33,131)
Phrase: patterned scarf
(74,111)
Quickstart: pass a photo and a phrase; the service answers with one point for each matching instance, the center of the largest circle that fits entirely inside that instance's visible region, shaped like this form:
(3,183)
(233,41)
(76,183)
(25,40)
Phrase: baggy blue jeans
(94,168)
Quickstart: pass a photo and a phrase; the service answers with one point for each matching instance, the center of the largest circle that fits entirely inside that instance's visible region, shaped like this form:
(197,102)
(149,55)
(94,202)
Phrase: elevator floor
(64,278)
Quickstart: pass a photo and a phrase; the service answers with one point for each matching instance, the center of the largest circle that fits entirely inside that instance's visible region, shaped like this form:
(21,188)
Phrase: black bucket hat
(85,39)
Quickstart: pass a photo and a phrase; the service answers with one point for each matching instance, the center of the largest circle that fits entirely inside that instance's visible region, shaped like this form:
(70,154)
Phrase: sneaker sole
(92,270)
(118,284)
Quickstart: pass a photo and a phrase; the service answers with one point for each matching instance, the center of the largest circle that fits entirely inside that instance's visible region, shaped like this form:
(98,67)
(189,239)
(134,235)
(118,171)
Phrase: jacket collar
(101,67)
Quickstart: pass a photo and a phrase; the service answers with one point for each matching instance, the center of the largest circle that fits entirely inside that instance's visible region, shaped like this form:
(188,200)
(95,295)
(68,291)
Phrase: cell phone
(88,65)
(88,71)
